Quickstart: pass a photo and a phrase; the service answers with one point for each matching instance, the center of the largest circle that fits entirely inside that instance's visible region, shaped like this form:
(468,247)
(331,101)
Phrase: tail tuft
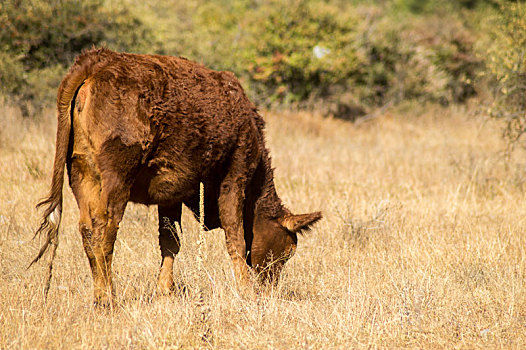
(48,227)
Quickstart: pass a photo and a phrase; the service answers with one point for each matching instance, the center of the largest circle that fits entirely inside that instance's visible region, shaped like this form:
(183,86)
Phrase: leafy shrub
(506,63)
(40,38)
(11,73)
(206,31)
(427,58)
(354,57)
(296,50)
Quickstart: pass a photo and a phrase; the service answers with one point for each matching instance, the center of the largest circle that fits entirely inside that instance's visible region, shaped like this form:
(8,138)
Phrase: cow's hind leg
(169,224)
(102,201)
(106,218)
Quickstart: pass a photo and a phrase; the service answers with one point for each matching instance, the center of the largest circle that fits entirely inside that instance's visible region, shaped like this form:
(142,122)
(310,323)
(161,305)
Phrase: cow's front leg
(169,219)
(231,199)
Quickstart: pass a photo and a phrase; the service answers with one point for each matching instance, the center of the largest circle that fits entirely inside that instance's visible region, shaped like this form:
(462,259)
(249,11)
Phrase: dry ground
(422,246)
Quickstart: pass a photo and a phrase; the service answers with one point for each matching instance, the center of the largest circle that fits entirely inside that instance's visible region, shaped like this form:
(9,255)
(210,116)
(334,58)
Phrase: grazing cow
(149,129)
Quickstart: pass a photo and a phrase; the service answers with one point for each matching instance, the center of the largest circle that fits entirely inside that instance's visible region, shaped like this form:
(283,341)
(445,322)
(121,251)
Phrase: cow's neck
(267,203)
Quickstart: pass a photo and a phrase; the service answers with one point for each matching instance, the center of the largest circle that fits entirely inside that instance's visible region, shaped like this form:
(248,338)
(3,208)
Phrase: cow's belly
(170,188)
(163,186)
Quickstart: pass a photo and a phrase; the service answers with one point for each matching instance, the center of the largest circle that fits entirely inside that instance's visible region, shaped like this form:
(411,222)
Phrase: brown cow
(149,129)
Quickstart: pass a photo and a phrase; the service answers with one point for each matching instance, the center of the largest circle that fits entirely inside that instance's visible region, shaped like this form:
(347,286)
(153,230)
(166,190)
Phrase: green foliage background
(40,39)
(506,69)
(344,57)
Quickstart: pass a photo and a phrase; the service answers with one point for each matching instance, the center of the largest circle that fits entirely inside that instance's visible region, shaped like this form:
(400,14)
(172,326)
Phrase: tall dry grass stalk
(201,238)
(422,246)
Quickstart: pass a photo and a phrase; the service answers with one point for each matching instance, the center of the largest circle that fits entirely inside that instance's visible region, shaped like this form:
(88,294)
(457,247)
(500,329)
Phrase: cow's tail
(85,65)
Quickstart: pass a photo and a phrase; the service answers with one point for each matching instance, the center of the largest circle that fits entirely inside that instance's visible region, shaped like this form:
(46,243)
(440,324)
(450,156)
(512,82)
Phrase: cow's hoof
(103,303)
(172,289)
(166,289)
(165,286)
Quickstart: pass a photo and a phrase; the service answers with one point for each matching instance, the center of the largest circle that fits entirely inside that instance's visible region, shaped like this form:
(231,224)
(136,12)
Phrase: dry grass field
(422,245)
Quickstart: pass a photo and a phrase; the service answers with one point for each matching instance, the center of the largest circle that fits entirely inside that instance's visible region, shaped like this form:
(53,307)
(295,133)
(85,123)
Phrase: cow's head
(275,242)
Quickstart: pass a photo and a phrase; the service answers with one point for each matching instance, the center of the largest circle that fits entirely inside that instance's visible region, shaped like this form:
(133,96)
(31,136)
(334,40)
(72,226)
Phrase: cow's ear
(300,222)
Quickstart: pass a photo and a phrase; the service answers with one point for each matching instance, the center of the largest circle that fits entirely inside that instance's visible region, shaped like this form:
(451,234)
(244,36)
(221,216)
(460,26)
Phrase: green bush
(425,58)
(296,50)
(354,57)
(207,32)
(506,69)
(11,73)
(41,38)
